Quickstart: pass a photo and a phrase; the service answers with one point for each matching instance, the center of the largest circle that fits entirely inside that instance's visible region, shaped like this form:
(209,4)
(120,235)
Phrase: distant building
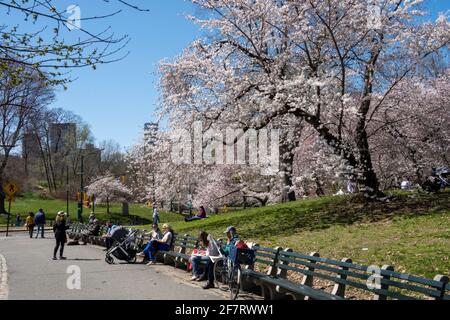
(92,153)
(30,146)
(63,136)
(151,133)
(92,159)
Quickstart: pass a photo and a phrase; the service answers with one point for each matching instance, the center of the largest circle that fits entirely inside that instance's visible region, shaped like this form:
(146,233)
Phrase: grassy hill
(411,232)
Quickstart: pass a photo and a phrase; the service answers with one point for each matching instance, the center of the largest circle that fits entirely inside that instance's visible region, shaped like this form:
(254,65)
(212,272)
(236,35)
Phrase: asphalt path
(27,272)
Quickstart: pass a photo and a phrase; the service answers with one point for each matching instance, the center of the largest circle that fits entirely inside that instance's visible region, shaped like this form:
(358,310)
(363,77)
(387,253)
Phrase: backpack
(241,245)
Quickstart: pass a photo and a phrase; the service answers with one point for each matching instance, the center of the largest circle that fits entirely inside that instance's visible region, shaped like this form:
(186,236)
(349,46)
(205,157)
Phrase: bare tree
(19,98)
(113,159)
(46,48)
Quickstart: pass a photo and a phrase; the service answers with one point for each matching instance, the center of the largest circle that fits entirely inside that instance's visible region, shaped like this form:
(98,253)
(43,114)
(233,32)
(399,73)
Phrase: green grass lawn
(30,203)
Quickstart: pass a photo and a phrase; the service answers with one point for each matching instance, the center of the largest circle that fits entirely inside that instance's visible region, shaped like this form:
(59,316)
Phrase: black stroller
(124,247)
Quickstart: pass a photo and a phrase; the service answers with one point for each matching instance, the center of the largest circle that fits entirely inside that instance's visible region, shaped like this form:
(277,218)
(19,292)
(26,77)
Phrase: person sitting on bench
(212,255)
(109,241)
(93,232)
(200,216)
(155,245)
(232,239)
(155,234)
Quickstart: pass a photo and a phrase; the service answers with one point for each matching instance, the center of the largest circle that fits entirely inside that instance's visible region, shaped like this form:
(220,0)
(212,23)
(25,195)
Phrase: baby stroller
(124,247)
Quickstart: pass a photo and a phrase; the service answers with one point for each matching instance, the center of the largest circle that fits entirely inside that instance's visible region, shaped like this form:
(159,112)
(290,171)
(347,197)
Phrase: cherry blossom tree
(107,188)
(330,64)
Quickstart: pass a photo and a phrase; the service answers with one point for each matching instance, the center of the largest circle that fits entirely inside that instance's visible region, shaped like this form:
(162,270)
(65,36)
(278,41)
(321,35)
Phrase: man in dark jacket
(39,221)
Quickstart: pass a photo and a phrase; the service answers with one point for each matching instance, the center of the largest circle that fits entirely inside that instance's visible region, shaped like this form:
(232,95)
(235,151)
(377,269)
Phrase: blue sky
(117,99)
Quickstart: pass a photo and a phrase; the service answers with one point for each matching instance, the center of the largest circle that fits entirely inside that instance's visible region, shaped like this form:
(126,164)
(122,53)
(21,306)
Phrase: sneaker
(141,254)
(150,263)
(195,278)
(55,258)
(202,278)
(62,258)
(208,286)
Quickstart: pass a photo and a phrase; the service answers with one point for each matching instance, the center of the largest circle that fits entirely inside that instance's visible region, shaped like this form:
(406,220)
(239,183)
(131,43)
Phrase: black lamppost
(80,203)
(3,195)
(82,191)
(67,192)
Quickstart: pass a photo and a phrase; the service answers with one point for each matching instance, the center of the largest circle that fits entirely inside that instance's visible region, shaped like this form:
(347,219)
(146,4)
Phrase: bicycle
(228,271)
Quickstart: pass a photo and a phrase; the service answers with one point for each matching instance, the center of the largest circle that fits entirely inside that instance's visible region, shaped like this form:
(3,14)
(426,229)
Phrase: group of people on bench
(163,241)
(213,253)
(159,242)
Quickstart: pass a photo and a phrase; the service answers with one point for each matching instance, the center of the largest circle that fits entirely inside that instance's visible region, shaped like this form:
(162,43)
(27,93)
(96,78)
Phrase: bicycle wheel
(234,278)
(221,274)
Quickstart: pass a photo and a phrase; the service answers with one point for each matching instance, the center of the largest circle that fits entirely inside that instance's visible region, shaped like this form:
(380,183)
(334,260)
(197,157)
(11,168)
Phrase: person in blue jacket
(39,221)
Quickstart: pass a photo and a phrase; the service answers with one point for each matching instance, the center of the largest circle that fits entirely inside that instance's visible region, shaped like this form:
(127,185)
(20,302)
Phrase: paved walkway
(28,272)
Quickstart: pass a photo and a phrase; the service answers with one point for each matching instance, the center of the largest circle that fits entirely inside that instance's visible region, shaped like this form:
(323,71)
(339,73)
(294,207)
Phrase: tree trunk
(2,202)
(368,178)
(288,194)
(287,151)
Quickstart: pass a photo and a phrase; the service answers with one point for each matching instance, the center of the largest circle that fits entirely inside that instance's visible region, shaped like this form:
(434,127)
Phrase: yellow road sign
(10,188)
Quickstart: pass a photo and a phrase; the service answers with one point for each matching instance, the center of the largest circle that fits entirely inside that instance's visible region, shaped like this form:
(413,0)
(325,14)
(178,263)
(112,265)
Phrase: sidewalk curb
(23,230)
(3,278)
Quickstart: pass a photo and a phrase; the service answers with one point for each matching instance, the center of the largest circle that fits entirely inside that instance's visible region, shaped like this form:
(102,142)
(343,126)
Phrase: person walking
(18,220)
(29,222)
(156,219)
(60,228)
(39,221)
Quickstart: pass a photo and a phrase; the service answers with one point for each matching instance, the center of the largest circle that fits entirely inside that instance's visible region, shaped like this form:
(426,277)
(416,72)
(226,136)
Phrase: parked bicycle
(228,270)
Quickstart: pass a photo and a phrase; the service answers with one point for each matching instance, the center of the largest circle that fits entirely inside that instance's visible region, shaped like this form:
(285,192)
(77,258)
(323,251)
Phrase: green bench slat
(264,262)
(264,255)
(294,287)
(265,249)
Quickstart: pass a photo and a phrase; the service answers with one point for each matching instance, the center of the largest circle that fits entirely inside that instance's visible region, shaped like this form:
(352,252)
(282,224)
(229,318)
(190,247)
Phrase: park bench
(180,254)
(326,279)
(274,278)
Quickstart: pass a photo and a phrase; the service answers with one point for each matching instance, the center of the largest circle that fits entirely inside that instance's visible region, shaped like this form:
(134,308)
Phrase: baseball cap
(230,229)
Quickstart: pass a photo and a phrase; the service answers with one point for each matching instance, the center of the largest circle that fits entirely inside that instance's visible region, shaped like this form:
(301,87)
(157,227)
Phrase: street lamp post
(82,191)
(67,192)
(80,203)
